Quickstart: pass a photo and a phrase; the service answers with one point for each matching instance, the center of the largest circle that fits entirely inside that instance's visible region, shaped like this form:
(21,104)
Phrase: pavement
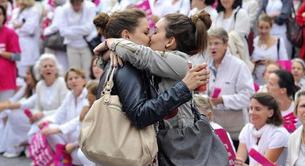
(20,161)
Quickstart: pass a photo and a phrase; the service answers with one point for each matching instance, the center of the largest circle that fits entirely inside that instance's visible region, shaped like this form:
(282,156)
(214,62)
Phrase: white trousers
(80,58)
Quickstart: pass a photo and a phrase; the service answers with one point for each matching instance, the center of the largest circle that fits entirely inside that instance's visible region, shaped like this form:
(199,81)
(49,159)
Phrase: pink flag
(285,64)
(262,160)
(222,134)
(145,6)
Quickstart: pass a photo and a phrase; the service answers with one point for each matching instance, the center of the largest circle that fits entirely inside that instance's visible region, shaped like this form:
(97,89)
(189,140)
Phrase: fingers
(99,49)
(113,59)
(120,61)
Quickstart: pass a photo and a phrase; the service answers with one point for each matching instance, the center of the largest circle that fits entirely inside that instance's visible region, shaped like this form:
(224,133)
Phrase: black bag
(55,41)
(196,145)
(93,43)
(294,31)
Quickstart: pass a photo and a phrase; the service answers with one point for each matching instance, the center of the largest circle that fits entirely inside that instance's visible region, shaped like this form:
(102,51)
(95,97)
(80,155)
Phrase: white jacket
(294,145)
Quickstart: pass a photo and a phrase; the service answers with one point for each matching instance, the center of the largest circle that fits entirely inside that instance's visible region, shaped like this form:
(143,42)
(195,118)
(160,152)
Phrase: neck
(201,6)
(49,81)
(228,13)
(285,103)
(265,37)
(77,93)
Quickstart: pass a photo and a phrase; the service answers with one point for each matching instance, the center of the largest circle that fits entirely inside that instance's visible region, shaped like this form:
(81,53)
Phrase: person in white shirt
(77,28)
(264,133)
(206,5)
(271,67)
(298,72)
(266,47)
(18,124)
(296,143)
(64,127)
(234,78)
(161,8)
(232,17)
(281,86)
(25,21)
(51,89)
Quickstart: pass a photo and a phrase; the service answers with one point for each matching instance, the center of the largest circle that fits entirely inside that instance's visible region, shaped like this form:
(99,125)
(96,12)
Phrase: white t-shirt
(301,159)
(272,137)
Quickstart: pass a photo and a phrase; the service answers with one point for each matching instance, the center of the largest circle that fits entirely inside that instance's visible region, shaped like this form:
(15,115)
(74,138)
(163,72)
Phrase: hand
(196,76)
(216,101)
(49,131)
(36,117)
(70,147)
(115,60)
(17,25)
(101,49)
(239,162)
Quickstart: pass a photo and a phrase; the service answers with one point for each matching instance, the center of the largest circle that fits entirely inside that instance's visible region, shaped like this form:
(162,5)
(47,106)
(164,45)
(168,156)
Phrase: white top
(67,115)
(75,26)
(252,7)
(54,27)
(294,147)
(289,110)
(235,80)
(275,6)
(28,33)
(163,7)
(271,137)
(49,98)
(240,25)
(263,53)
(301,158)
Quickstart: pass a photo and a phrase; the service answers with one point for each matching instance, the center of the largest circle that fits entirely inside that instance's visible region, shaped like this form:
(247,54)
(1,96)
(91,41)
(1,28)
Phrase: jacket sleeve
(242,23)
(285,12)
(163,64)
(139,108)
(244,90)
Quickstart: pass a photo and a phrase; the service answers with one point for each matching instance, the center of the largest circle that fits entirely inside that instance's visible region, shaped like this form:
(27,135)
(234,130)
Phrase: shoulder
(240,12)
(40,84)
(60,81)
(235,61)
(279,132)
(89,4)
(247,128)
(9,31)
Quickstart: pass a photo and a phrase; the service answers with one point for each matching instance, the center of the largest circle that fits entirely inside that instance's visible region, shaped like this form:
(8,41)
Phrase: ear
(125,34)
(270,113)
(171,43)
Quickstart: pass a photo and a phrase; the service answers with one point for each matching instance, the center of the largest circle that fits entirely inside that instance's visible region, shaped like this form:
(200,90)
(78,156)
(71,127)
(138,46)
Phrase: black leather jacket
(141,104)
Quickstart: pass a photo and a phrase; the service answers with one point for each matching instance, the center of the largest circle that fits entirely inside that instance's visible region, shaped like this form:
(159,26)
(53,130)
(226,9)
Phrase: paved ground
(20,161)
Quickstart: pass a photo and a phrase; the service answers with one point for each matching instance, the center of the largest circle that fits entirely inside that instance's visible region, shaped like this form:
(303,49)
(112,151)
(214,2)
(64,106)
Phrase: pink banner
(290,122)
(262,160)
(222,134)
(285,65)
(40,151)
(145,6)
(216,92)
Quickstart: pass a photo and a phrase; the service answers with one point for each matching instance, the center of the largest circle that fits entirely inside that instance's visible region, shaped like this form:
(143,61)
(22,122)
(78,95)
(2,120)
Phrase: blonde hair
(26,3)
(203,103)
(297,100)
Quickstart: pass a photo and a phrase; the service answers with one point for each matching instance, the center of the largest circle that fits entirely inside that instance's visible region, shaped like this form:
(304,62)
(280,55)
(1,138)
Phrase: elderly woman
(25,20)
(264,133)
(51,89)
(296,143)
(234,78)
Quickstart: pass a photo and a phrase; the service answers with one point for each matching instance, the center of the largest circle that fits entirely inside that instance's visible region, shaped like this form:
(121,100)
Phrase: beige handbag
(107,136)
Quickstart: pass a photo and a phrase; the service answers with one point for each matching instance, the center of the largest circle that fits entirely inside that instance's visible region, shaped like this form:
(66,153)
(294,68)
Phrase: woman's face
(270,69)
(48,69)
(97,71)
(75,82)
(1,18)
(217,47)
(301,110)
(227,4)
(141,33)
(273,86)
(158,39)
(259,114)
(91,98)
(264,28)
(297,71)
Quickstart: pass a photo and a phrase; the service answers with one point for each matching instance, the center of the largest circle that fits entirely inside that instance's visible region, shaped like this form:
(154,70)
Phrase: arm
(244,90)
(163,64)
(141,110)
(285,12)
(274,154)
(12,51)
(242,154)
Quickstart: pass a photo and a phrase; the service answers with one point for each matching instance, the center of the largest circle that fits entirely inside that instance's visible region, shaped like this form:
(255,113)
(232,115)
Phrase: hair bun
(101,21)
(205,18)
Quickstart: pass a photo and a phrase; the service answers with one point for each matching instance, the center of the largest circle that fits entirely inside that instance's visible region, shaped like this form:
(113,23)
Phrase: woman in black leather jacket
(133,86)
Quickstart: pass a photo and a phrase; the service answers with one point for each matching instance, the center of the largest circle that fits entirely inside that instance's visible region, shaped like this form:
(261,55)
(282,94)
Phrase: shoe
(11,155)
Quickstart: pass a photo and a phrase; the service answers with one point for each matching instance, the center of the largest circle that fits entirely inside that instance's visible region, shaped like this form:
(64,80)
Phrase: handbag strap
(108,85)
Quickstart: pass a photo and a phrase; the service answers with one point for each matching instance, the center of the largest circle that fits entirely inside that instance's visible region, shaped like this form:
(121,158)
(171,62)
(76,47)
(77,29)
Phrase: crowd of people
(54,56)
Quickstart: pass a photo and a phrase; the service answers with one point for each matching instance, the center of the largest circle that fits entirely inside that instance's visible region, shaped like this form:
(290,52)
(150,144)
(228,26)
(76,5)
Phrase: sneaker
(11,155)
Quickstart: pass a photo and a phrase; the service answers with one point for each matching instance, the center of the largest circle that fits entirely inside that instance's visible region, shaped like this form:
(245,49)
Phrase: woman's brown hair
(111,26)
(77,71)
(190,33)
(269,101)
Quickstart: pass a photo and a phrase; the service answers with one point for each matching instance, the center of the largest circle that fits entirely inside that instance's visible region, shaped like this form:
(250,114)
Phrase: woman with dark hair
(282,87)
(176,37)
(264,132)
(232,17)
(206,5)
(18,124)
